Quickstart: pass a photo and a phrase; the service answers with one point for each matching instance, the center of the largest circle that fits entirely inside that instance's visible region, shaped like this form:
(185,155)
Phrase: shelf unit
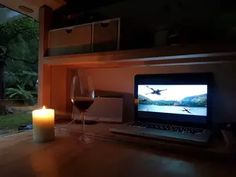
(55,72)
(164,55)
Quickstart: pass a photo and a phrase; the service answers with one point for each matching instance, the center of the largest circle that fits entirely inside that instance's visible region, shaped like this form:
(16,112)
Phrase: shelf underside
(174,55)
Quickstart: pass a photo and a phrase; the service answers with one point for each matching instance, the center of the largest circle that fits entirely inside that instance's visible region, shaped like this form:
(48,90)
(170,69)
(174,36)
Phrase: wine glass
(82,97)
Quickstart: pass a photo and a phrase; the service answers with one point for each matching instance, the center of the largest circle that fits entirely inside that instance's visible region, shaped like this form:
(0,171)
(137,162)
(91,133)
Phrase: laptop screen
(178,98)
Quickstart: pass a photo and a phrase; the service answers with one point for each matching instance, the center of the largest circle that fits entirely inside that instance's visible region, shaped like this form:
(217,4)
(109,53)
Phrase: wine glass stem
(72,114)
(83,122)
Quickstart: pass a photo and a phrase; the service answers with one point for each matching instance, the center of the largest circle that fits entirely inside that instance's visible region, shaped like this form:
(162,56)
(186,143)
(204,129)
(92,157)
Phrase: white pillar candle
(43,125)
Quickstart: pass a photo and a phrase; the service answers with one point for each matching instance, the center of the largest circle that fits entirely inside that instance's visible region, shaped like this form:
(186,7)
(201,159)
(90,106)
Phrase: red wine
(83,103)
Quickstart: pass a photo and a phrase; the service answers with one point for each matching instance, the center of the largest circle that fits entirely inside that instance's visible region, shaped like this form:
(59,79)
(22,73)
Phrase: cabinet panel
(59,92)
(106,35)
(96,36)
(70,40)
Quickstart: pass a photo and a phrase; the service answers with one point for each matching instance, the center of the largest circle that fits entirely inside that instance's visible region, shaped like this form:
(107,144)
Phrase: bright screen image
(173,99)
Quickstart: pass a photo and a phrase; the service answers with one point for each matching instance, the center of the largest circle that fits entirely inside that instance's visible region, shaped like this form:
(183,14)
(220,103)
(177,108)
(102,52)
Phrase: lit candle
(43,125)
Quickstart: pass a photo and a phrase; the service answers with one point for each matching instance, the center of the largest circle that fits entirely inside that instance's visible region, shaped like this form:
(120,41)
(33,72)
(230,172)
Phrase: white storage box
(104,109)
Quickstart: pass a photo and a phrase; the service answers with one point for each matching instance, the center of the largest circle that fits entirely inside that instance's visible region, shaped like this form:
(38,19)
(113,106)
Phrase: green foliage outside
(13,121)
(21,86)
(20,39)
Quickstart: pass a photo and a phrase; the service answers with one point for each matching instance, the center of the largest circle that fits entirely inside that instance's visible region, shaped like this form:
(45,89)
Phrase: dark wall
(161,22)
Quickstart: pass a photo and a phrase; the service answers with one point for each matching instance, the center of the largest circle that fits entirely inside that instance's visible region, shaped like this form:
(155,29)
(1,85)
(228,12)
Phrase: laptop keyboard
(165,132)
(170,127)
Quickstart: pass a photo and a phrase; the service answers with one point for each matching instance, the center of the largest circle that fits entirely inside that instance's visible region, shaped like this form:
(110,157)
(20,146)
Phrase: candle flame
(44,107)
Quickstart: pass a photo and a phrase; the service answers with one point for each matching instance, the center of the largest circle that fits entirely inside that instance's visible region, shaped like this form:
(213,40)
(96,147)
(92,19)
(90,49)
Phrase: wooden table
(107,156)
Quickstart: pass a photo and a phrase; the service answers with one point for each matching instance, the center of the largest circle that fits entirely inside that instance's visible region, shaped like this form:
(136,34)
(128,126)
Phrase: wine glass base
(86,122)
(85,139)
(64,129)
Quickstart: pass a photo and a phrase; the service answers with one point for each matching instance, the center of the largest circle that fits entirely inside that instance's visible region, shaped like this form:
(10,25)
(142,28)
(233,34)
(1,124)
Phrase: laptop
(172,107)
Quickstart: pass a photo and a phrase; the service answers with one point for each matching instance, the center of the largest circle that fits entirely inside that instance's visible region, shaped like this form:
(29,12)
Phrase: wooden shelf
(173,55)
